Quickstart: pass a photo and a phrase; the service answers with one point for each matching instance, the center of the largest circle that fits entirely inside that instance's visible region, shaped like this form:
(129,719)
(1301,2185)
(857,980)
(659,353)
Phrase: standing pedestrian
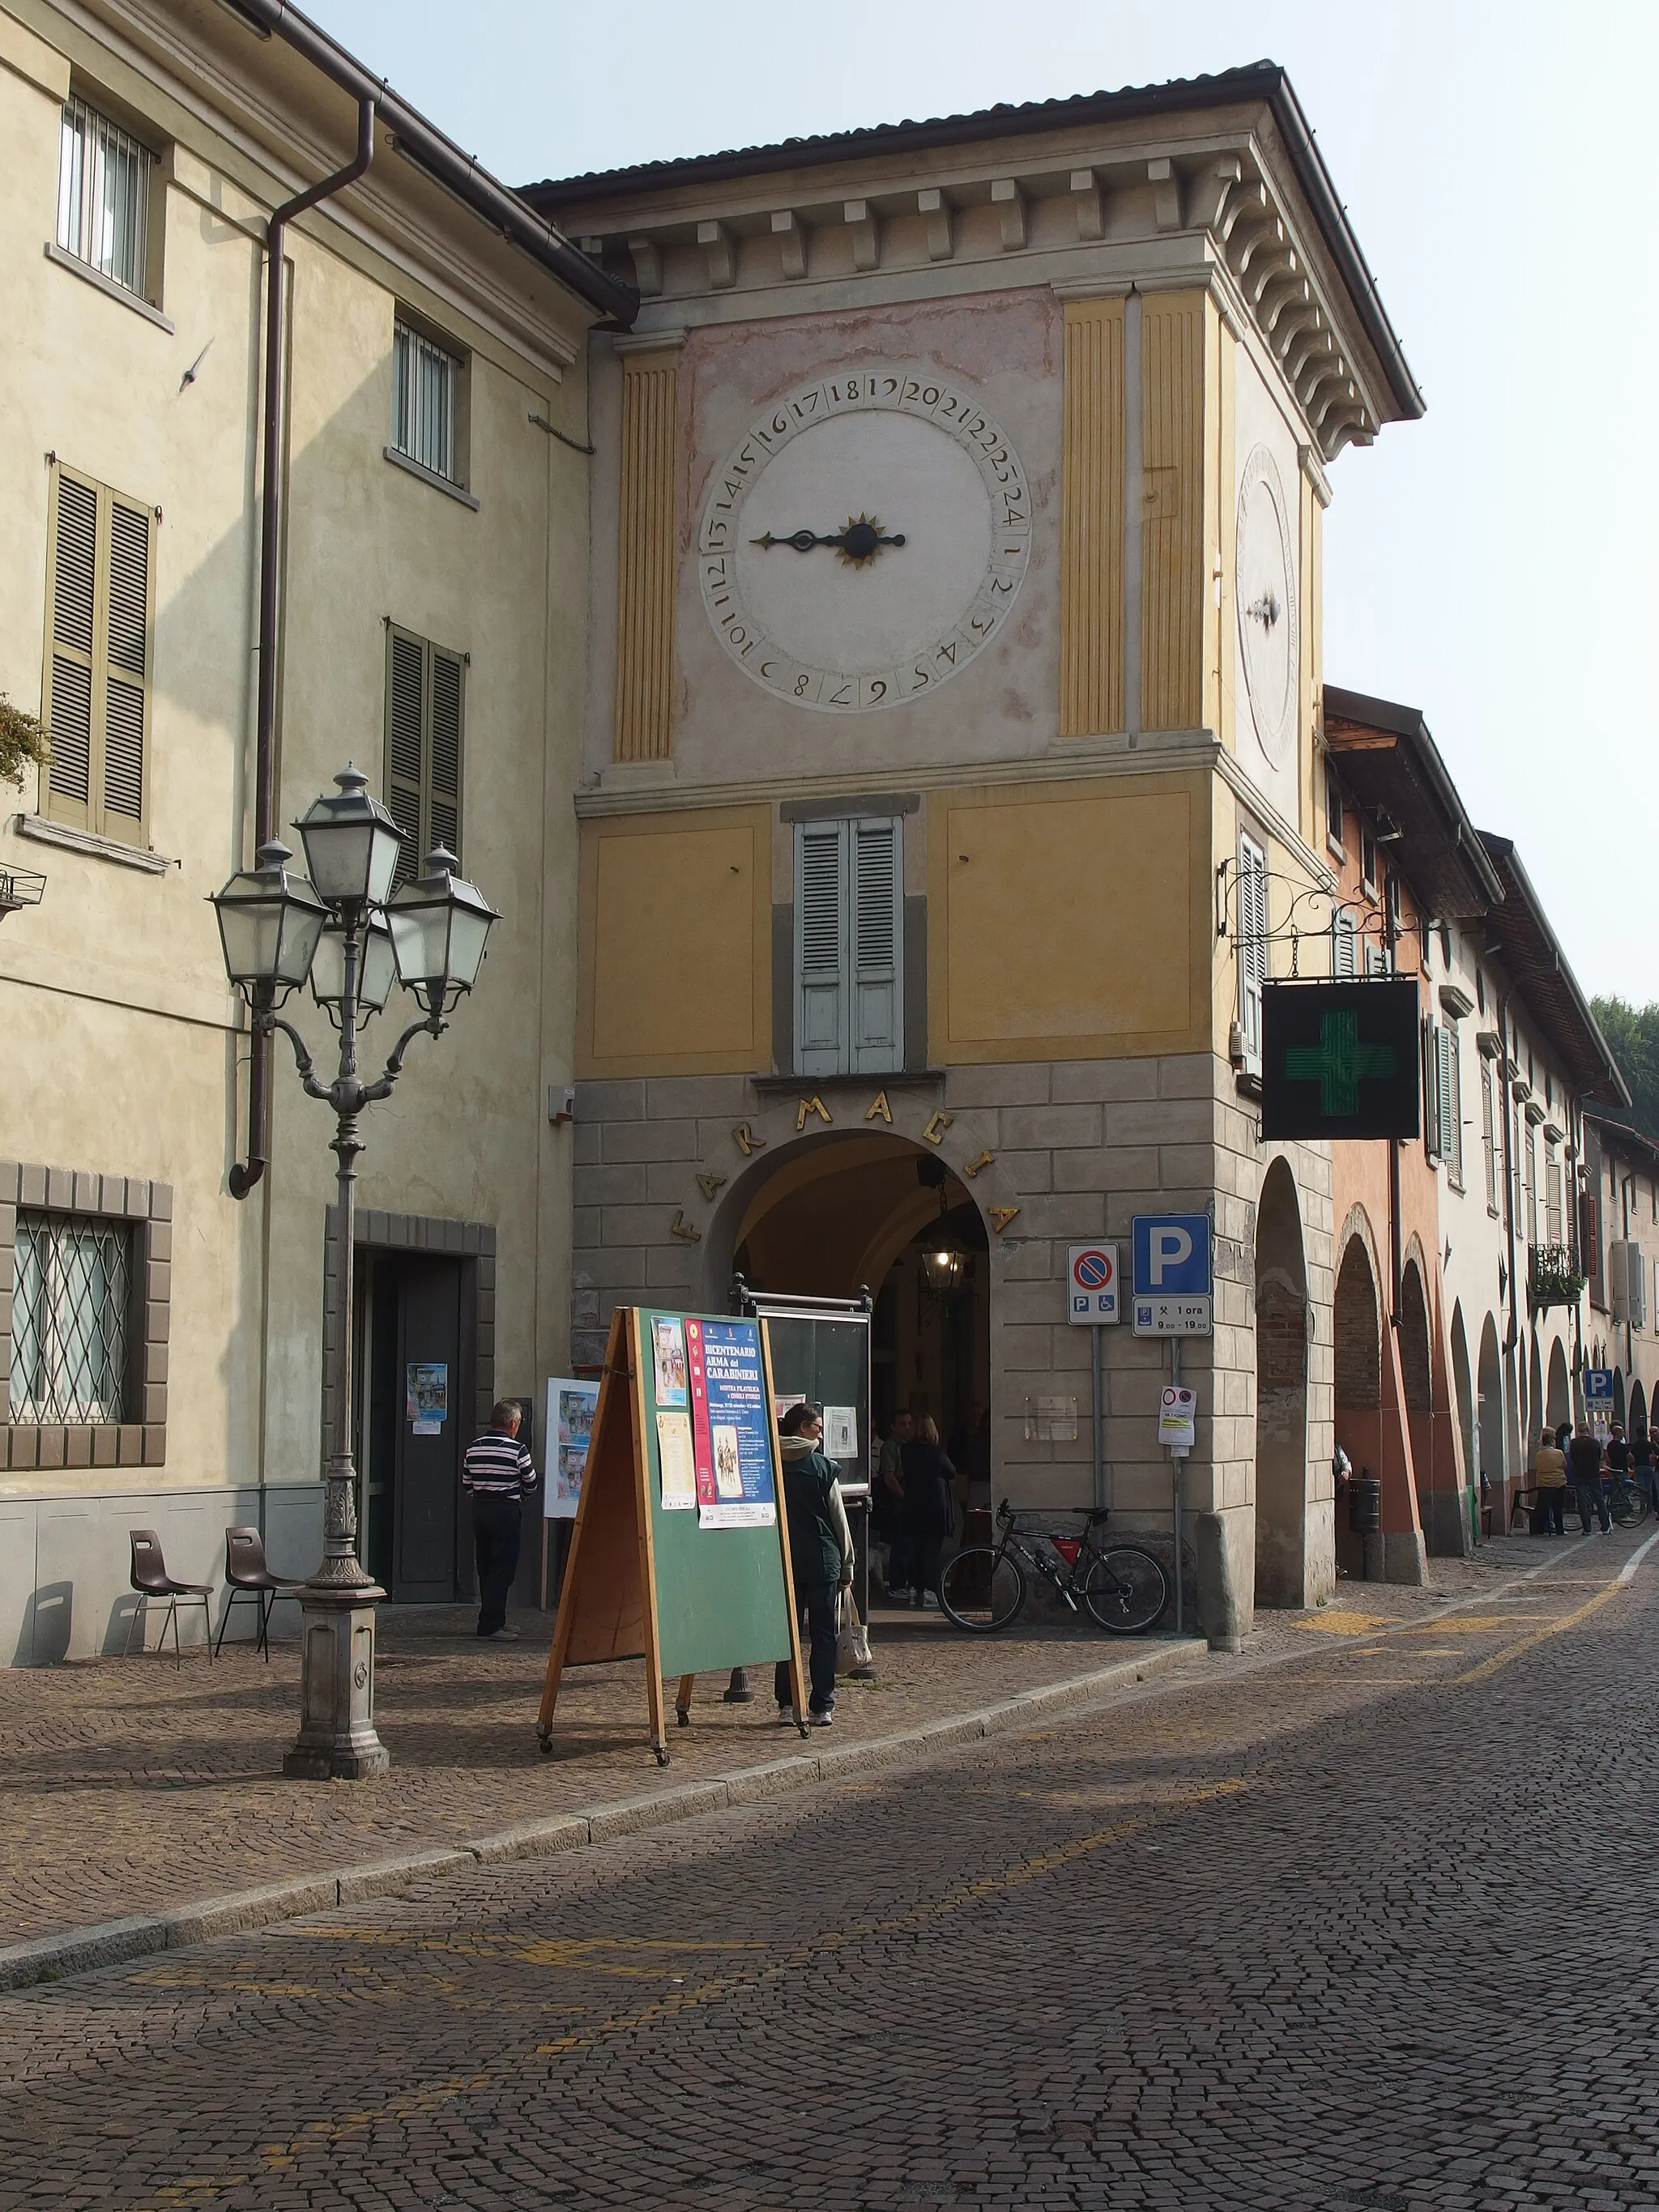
(1641,1465)
(1550,1475)
(820,1556)
(1584,1458)
(889,1504)
(1617,1455)
(498,1474)
(929,1507)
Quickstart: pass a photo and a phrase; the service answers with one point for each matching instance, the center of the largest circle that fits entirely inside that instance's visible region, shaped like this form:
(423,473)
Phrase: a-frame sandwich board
(649,1580)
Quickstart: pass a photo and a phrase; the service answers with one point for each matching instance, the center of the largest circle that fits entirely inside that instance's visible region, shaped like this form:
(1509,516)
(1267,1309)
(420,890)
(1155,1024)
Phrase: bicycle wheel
(982,1589)
(1629,1506)
(1126,1590)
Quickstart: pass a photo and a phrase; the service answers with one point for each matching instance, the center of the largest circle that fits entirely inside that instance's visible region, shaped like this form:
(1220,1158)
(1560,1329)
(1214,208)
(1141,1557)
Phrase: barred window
(103,196)
(425,382)
(72,1319)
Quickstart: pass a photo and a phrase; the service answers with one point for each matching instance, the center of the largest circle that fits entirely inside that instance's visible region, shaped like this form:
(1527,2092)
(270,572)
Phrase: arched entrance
(1559,1404)
(1490,1385)
(1358,1321)
(1281,1395)
(876,1210)
(1534,1418)
(1463,1389)
(1638,1410)
(1619,1395)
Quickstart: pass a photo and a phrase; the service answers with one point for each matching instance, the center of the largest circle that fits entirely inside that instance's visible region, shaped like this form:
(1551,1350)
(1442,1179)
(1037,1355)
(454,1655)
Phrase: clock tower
(952,765)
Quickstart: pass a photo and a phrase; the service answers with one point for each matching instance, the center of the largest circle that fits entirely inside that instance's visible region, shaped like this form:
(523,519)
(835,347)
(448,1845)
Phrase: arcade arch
(1559,1404)
(1281,1394)
(1490,1385)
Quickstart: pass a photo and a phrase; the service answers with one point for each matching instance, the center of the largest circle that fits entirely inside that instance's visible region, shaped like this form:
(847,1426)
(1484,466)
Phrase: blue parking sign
(1171,1255)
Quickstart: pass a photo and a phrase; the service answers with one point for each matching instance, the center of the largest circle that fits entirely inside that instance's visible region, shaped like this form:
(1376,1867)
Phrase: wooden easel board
(680,1552)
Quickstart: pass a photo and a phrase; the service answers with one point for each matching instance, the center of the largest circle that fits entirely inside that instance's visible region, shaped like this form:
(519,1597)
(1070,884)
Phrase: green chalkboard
(718,1557)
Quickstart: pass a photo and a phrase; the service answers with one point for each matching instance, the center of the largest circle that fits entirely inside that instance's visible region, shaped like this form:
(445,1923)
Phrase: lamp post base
(337,1740)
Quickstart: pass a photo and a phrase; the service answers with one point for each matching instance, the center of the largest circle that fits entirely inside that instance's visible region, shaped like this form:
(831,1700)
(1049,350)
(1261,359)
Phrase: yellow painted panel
(1091,521)
(645,558)
(676,958)
(1172,523)
(1069,918)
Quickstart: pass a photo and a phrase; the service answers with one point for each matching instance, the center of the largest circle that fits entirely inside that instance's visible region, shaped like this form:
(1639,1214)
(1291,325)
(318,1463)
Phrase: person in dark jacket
(1641,1465)
(820,1556)
(929,1509)
(1584,1465)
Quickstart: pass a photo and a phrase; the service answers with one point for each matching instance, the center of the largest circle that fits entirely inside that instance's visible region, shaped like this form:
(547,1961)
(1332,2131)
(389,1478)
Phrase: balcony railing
(1553,1277)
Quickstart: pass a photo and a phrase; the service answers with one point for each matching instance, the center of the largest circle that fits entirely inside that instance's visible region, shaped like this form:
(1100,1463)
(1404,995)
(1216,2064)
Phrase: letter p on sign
(1169,1248)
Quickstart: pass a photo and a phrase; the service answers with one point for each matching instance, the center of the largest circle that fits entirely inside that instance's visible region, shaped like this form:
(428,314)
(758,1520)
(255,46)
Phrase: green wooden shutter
(72,600)
(821,947)
(425,712)
(127,665)
(876,964)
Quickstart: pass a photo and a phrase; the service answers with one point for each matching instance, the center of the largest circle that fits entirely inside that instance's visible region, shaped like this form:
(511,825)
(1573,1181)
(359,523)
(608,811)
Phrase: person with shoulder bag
(820,1557)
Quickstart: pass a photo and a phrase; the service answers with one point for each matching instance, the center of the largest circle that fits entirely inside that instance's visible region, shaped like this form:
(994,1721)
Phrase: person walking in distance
(498,1474)
(929,1507)
(820,1556)
(1584,1460)
(1641,1465)
(889,1504)
(1550,1475)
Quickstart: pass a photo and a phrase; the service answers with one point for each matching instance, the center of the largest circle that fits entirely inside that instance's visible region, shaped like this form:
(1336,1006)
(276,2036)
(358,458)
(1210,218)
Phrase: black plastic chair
(248,1575)
(151,1579)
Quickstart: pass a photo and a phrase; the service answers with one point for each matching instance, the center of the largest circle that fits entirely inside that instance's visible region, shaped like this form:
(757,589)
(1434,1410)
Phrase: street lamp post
(342,928)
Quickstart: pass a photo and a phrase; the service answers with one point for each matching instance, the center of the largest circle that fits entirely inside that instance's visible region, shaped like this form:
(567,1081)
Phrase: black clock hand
(859,543)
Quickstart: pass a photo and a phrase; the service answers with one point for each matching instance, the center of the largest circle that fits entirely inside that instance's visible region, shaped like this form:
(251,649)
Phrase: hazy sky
(1494,564)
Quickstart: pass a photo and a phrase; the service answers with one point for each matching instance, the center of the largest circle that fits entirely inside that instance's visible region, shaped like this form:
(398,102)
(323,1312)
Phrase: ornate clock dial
(1265,587)
(921,502)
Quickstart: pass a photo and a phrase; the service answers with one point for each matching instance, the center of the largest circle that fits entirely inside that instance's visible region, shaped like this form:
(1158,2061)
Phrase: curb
(238,1912)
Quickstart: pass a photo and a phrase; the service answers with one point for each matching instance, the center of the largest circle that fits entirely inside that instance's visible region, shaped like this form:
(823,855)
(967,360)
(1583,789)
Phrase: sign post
(1092,1303)
(1174,1297)
(1599,1399)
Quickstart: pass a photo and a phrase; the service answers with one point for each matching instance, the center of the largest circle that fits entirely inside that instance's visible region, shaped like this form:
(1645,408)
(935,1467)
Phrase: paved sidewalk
(135,1788)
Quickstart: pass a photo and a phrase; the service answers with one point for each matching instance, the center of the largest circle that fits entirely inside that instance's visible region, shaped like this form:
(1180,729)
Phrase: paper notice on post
(840,1432)
(680,1473)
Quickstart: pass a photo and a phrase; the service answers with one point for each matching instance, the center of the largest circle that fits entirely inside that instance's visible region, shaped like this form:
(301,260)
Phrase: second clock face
(1266,584)
(864,540)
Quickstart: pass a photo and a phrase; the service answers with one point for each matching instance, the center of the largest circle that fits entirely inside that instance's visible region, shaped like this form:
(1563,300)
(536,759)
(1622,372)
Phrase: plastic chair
(248,1575)
(151,1579)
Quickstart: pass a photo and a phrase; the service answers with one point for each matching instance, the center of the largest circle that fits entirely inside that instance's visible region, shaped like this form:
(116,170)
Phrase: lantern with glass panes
(341,928)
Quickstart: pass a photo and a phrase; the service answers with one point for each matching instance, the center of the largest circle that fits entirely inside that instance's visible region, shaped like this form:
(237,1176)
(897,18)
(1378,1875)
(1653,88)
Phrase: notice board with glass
(825,1357)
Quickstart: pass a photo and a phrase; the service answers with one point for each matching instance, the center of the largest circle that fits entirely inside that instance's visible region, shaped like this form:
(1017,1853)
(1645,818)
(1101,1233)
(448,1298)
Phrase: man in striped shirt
(498,1474)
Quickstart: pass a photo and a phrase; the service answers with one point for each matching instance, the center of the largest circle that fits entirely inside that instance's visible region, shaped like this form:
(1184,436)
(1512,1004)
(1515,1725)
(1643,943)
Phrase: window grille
(71,1308)
(425,379)
(103,196)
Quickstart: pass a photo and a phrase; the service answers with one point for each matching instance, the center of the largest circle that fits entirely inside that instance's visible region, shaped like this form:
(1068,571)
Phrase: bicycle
(1123,1589)
(1628,1502)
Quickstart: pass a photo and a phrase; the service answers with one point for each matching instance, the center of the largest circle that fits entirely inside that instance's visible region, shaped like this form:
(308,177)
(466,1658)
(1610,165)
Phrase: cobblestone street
(1292,1931)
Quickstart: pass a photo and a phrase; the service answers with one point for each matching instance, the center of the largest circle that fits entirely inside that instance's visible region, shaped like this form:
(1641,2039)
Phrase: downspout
(245,1174)
(1396,1262)
(1513,1337)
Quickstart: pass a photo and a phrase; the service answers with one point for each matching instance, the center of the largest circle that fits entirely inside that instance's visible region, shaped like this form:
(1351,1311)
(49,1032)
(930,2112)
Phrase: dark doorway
(409,1337)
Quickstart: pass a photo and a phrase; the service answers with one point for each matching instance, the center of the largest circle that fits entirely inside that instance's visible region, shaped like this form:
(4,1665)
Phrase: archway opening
(1281,1395)
(1559,1404)
(1358,1320)
(1533,1419)
(1490,1386)
(1463,1389)
(1638,1410)
(876,1211)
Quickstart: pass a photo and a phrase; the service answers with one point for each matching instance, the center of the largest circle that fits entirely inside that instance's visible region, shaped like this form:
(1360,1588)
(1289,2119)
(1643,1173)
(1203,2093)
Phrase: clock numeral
(844,697)
(801,682)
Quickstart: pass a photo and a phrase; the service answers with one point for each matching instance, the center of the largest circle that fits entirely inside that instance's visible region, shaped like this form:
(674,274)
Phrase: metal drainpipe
(245,1174)
(1513,1336)
(1396,1263)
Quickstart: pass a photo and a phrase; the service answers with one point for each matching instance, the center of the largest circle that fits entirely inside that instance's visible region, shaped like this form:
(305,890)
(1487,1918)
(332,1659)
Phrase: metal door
(427,1476)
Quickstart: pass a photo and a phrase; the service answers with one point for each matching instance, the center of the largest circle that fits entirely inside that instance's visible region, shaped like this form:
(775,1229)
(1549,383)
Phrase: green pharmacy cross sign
(1340,1059)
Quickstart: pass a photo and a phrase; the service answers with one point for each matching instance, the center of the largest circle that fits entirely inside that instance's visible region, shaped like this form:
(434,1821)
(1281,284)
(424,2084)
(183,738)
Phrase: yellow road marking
(1538,1635)
(1347,1623)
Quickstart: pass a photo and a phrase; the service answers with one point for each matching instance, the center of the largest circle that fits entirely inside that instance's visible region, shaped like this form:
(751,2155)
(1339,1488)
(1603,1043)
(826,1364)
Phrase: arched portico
(1282,1562)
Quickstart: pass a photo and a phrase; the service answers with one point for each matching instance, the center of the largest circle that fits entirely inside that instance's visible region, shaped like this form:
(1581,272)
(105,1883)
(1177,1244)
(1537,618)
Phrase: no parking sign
(1091,1286)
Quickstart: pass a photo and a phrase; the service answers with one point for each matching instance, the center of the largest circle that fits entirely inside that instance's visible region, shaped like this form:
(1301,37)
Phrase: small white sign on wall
(1091,1286)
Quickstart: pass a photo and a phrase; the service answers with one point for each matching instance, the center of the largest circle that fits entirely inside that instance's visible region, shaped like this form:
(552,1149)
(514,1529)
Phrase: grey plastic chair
(248,1575)
(151,1580)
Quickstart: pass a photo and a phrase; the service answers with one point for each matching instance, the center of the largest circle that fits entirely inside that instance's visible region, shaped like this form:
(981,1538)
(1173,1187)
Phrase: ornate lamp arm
(266,1018)
(381,1087)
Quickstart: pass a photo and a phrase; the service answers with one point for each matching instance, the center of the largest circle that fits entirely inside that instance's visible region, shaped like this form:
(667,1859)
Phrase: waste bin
(1365,1503)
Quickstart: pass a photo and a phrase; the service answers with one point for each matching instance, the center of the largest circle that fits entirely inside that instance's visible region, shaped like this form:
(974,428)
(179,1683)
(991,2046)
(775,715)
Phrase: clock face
(865,539)
(1267,604)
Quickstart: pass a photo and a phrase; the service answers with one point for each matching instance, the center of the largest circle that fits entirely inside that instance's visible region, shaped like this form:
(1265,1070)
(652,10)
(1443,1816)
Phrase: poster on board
(731,1425)
(426,1396)
(840,1433)
(679,1472)
(570,1408)
(668,1359)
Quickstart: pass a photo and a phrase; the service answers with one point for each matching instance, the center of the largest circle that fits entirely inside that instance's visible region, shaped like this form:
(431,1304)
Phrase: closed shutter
(1345,944)
(820,936)
(849,947)
(1252,942)
(425,717)
(96,705)
(877,930)
(1452,1106)
(1590,1244)
(1554,1228)
(1489,1135)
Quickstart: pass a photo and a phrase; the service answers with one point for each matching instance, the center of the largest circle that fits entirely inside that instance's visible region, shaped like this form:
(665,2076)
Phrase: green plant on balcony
(22,740)
(1554,1278)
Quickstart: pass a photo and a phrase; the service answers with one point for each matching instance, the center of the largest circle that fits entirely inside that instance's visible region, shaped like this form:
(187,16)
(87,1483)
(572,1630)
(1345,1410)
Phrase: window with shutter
(1252,945)
(1554,1223)
(96,703)
(849,954)
(1451,1097)
(1345,944)
(1489,1136)
(425,718)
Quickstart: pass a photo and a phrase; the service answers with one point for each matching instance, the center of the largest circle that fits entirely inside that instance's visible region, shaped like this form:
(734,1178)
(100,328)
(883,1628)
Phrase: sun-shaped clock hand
(857,545)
